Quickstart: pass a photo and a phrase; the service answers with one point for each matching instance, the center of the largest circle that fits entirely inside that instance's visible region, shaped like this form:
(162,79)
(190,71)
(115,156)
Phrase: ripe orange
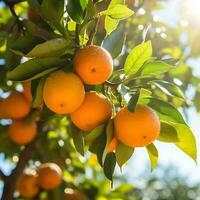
(27,185)
(27,90)
(63,92)
(15,106)
(49,176)
(74,195)
(21,132)
(94,111)
(137,129)
(113,145)
(93,64)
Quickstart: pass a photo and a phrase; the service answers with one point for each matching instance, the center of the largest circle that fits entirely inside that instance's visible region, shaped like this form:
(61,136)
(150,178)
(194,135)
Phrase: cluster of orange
(16,107)
(64,94)
(48,177)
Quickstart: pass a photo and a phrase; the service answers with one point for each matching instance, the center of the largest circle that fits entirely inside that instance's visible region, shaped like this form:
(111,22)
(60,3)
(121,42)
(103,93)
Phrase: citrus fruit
(15,106)
(49,176)
(21,132)
(63,92)
(27,90)
(137,129)
(93,64)
(74,195)
(94,111)
(27,185)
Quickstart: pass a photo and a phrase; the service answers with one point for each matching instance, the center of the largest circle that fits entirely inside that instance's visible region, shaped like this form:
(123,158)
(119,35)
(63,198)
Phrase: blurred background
(173,26)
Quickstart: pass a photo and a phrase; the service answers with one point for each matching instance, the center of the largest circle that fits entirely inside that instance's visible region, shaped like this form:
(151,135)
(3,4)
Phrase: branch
(2,175)
(13,1)
(93,33)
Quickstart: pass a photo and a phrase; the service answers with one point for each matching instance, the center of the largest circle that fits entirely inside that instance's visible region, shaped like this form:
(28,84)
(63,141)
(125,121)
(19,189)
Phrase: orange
(63,92)
(15,106)
(113,145)
(93,64)
(27,185)
(49,176)
(94,111)
(137,129)
(130,3)
(21,132)
(27,90)
(74,195)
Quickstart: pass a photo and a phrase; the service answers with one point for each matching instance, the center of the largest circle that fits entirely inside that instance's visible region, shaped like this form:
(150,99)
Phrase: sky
(169,154)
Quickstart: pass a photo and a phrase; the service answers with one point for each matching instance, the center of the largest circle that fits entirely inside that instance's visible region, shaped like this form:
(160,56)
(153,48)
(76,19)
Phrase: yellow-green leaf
(54,47)
(137,57)
(153,155)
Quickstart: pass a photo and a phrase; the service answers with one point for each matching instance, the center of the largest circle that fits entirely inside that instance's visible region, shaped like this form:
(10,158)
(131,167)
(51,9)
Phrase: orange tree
(77,78)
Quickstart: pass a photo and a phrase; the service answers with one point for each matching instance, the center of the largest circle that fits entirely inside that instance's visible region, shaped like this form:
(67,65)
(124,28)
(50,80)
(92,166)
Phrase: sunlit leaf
(137,57)
(168,133)
(153,155)
(54,47)
(168,88)
(123,154)
(118,11)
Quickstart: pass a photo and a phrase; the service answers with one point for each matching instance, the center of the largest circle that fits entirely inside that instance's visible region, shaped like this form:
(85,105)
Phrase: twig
(77,35)
(93,33)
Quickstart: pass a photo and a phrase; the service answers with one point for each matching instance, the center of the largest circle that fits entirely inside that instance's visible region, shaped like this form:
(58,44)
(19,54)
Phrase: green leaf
(153,155)
(38,98)
(155,67)
(76,8)
(24,44)
(187,142)
(168,133)
(91,136)
(54,47)
(109,165)
(115,41)
(109,133)
(133,101)
(123,153)
(36,68)
(166,111)
(78,139)
(98,146)
(111,24)
(118,11)
(168,88)
(52,11)
(137,57)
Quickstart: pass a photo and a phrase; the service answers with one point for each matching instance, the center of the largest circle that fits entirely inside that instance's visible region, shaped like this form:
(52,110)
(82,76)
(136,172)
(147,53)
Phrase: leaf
(155,67)
(166,111)
(124,93)
(118,11)
(187,142)
(168,88)
(153,155)
(168,133)
(137,57)
(76,8)
(123,153)
(36,68)
(52,11)
(111,24)
(24,44)
(98,146)
(78,139)
(95,133)
(133,101)
(38,98)
(115,41)
(109,165)
(54,47)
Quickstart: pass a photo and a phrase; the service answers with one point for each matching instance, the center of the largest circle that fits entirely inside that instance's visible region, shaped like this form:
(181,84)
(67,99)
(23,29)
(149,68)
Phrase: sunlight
(191,10)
